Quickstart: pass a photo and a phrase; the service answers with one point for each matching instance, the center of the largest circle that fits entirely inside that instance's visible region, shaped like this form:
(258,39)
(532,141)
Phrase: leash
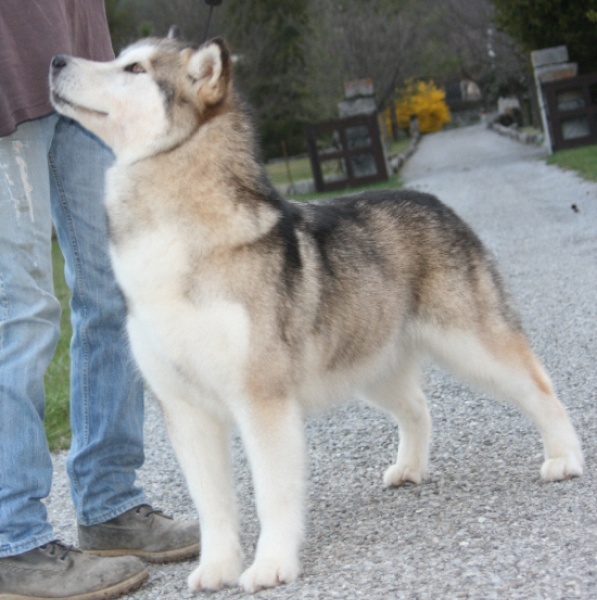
(211,4)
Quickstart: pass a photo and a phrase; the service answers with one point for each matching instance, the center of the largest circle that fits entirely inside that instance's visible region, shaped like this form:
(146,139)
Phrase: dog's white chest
(178,334)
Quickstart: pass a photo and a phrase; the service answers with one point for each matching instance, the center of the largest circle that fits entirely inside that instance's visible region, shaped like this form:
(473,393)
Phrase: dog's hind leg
(500,362)
(399,393)
(273,436)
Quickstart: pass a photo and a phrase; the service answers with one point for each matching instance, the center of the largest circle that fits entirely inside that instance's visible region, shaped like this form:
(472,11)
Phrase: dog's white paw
(269,573)
(399,474)
(561,467)
(215,575)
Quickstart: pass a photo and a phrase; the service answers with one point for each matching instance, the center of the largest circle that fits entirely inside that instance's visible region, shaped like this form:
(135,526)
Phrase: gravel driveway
(484,526)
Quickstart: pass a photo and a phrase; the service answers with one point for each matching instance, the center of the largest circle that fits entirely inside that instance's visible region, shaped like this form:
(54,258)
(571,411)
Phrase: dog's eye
(135,68)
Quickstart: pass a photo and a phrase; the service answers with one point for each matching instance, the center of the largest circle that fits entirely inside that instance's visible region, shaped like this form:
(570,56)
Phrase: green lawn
(582,160)
(300,168)
(392,183)
(57,379)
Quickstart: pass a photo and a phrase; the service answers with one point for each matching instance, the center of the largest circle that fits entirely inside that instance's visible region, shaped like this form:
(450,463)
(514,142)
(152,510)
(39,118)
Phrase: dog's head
(151,98)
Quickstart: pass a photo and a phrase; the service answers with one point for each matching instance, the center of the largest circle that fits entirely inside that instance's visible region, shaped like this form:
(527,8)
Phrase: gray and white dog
(245,309)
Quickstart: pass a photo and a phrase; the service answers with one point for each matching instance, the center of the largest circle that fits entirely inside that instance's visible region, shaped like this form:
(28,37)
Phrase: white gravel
(484,526)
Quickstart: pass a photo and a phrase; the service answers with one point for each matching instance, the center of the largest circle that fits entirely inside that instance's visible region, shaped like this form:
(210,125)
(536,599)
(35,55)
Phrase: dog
(248,310)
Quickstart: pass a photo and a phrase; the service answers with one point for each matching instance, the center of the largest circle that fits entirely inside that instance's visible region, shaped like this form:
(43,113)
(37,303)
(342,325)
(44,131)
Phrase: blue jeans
(52,169)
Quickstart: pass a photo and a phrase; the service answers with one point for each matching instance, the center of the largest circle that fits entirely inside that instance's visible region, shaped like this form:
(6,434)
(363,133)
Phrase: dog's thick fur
(246,309)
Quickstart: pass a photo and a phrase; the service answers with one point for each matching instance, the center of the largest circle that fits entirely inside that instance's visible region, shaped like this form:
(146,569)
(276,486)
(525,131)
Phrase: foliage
(122,24)
(537,24)
(465,33)
(57,378)
(155,17)
(424,100)
(269,38)
(378,40)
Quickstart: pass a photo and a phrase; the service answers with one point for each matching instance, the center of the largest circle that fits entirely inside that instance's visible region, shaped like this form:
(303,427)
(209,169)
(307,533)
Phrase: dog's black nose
(59,62)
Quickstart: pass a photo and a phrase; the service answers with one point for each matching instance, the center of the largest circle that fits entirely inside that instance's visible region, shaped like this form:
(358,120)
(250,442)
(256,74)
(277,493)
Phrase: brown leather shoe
(58,571)
(145,532)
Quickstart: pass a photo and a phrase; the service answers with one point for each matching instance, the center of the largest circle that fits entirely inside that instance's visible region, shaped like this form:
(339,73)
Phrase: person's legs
(106,391)
(29,327)
(106,395)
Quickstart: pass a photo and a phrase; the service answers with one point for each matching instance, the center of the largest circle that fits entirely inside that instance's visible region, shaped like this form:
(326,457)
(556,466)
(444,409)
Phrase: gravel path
(484,526)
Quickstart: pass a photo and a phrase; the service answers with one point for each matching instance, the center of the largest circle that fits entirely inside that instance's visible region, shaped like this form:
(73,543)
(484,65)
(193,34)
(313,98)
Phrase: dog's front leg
(202,445)
(273,435)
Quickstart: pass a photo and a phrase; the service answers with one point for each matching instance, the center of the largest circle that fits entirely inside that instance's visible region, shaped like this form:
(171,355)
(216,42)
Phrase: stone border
(537,139)
(398,160)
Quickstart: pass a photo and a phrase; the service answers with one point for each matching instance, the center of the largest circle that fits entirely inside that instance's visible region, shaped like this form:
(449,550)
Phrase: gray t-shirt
(31,32)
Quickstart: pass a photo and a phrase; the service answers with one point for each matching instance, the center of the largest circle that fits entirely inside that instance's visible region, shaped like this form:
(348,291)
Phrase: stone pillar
(359,99)
(550,64)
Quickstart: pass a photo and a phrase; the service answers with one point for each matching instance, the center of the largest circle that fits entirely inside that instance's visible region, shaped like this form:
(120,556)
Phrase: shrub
(423,100)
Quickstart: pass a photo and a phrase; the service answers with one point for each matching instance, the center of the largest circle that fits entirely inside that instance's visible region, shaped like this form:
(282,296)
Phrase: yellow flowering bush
(424,100)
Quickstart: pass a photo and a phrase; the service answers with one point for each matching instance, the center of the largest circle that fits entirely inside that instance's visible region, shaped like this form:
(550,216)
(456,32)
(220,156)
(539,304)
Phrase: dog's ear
(210,70)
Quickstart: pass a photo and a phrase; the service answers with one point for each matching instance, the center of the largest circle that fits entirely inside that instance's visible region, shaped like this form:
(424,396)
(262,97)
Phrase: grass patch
(400,146)
(57,379)
(300,167)
(582,160)
(531,130)
(392,183)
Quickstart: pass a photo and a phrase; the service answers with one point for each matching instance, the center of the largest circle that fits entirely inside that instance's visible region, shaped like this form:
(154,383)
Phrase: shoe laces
(146,510)
(57,547)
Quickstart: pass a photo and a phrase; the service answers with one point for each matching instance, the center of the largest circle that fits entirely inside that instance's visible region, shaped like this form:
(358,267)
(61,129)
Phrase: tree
(121,22)
(190,16)
(268,37)
(377,39)
(537,24)
(477,51)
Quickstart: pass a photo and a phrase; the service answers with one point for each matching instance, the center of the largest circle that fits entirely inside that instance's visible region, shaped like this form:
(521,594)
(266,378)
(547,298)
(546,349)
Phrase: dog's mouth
(59,100)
